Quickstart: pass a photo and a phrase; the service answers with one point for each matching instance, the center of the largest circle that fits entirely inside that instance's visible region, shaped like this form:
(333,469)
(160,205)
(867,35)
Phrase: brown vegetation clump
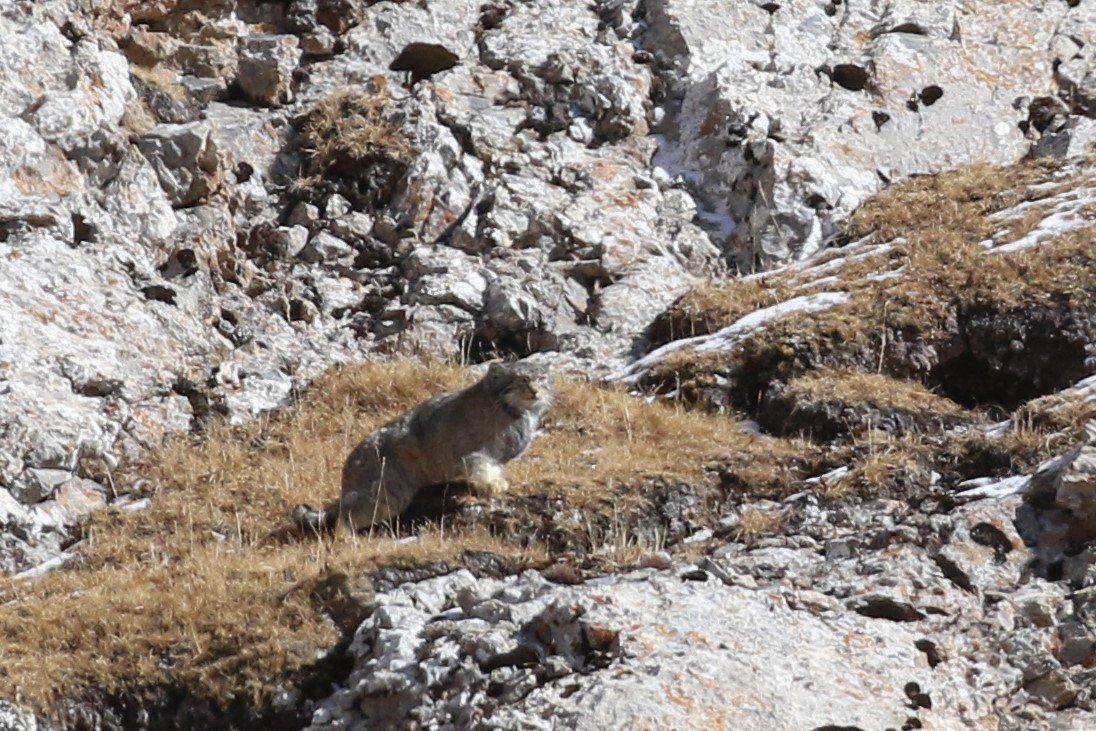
(711,307)
(353,140)
(204,592)
(952,203)
(828,404)
(921,286)
(939,337)
(1056,413)
(871,389)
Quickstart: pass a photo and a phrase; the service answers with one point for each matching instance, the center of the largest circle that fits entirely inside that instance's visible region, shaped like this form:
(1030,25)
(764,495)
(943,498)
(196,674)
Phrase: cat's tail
(309,520)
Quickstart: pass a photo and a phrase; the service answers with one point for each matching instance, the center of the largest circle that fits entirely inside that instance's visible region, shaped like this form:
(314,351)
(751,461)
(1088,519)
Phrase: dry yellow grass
(936,225)
(196,591)
(939,222)
(755,522)
(958,201)
(1055,413)
(351,139)
(872,349)
(160,78)
(872,389)
(711,307)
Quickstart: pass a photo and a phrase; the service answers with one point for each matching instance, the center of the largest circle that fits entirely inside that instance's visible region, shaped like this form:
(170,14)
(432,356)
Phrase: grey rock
(291,240)
(871,103)
(266,68)
(1080,569)
(445,276)
(323,247)
(355,225)
(336,206)
(204,90)
(185,159)
(97,99)
(653,637)
(319,42)
(389,31)
(643,292)
(39,484)
(216,60)
(1075,63)
(1075,138)
(984,551)
(304,214)
(136,202)
(1068,482)
(12,718)
(252,140)
(252,387)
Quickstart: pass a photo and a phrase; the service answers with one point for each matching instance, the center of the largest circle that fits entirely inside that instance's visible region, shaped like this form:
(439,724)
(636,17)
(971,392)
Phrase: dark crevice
(953,573)
(910,28)
(930,95)
(159,293)
(82,230)
(932,652)
(176,708)
(882,607)
(423,60)
(488,343)
(1008,358)
(850,76)
(993,537)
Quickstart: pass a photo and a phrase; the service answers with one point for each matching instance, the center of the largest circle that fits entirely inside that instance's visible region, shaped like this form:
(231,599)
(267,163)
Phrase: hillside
(816,279)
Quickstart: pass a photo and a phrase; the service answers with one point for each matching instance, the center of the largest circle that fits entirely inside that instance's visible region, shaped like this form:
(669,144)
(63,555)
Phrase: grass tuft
(354,141)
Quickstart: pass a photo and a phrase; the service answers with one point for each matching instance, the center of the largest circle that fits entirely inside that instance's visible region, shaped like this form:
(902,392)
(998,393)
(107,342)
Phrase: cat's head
(522,385)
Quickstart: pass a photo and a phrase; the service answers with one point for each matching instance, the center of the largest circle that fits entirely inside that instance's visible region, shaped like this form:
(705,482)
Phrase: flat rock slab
(650,649)
(725,657)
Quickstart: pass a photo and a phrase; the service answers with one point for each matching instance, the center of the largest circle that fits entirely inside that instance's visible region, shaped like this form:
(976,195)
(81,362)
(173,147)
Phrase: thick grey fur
(465,435)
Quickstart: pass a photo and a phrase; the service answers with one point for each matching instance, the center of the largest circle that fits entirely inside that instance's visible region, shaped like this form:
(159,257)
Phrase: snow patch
(730,336)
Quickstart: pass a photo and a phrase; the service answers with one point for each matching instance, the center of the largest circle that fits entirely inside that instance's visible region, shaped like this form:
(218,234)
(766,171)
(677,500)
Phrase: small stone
(336,206)
(354,225)
(660,560)
(325,248)
(266,68)
(319,42)
(1055,689)
(304,214)
(704,534)
(563,572)
(290,240)
(204,90)
(185,159)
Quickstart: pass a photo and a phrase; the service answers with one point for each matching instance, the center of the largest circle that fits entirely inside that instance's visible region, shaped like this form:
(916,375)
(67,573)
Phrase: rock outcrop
(783,126)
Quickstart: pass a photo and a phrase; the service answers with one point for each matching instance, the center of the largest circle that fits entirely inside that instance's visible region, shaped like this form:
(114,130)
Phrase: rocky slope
(205,205)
